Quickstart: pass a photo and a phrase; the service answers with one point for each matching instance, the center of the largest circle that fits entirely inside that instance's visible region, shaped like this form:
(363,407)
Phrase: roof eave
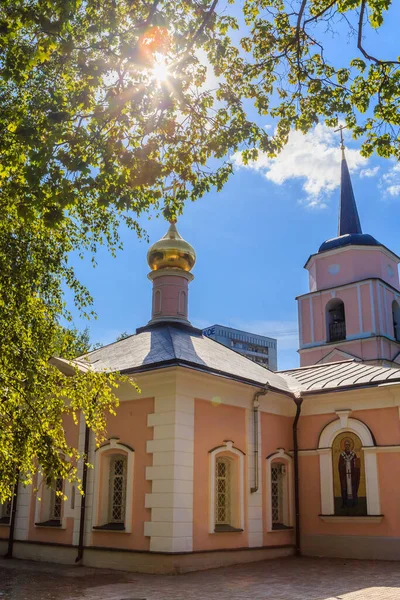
(204,369)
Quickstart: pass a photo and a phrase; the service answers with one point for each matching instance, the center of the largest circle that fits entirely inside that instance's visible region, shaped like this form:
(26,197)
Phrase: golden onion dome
(172,251)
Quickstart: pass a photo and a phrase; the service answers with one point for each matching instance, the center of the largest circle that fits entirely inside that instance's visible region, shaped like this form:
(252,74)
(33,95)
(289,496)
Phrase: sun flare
(160,70)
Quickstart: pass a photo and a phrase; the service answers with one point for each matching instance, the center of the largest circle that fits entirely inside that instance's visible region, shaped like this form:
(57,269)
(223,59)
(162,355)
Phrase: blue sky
(252,240)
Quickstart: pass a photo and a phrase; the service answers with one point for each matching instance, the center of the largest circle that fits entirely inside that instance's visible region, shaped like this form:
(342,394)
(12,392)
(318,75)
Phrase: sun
(159,69)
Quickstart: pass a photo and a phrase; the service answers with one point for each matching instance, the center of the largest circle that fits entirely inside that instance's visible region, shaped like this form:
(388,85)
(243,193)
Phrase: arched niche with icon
(349,475)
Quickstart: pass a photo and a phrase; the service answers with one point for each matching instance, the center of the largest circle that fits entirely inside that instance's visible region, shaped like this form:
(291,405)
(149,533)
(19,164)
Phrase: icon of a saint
(349,473)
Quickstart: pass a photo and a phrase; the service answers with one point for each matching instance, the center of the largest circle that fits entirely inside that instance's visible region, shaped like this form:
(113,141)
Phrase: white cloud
(369,172)
(390,181)
(313,158)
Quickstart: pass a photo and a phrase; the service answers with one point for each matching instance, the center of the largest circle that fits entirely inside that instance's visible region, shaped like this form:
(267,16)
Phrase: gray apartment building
(259,348)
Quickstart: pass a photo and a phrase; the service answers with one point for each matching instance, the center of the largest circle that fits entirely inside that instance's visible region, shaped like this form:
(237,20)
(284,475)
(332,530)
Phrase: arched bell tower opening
(396,320)
(335,321)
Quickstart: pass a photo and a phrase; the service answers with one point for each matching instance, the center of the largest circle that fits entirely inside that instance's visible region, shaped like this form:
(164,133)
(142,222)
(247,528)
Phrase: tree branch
(320,13)
(203,25)
(359,41)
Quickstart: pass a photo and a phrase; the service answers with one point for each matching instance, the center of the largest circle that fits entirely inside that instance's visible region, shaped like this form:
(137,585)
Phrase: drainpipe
(298,400)
(10,548)
(256,404)
(83,498)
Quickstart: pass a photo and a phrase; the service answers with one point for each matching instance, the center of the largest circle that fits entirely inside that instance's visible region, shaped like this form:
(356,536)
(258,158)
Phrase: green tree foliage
(122,336)
(293,71)
(106,115)
(71,343)
(36,398)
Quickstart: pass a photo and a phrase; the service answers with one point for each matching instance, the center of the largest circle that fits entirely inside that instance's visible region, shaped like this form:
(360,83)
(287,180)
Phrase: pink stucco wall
(352,264)
(276,432)
(130,426)
(385,426)
(51,534)
(213,424)
(368,314)
(170,296)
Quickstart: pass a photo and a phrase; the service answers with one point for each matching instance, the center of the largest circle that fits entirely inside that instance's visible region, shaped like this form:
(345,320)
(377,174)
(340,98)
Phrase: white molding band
(333,429)
(359,307)
(362,520)
(371,294)
(312,321)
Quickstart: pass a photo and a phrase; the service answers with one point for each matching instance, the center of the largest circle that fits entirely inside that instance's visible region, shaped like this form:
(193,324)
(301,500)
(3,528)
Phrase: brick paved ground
(284,579)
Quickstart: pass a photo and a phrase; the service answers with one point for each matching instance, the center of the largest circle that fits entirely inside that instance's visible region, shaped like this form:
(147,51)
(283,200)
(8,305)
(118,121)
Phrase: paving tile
(283,579)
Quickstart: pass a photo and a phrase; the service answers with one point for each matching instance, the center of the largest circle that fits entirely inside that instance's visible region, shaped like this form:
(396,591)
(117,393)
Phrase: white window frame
(238,465)
(288,492)
(328,435)
(43,503)
(101,496)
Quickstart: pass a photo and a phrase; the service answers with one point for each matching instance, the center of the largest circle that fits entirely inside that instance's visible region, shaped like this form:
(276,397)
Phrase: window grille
(56,500)
(223,491)
(277,478)
(117,490)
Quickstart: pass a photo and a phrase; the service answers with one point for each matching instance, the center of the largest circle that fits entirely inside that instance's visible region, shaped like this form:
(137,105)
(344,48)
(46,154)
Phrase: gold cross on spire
(340,128)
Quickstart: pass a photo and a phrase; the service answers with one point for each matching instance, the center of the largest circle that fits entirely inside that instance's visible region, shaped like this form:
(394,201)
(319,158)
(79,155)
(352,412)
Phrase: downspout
(83,499)
(256,405)
(298,400)
(10,548)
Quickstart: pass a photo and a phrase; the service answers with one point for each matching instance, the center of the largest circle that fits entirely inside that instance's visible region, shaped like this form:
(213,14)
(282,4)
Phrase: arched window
(157,302)
(226,489)
(223,491)
(280,509)
(5,512)
(396,320)
(278,476)
(335,320)
(49,503)
(182,309)
(117,489)
(113,487)
(56,499)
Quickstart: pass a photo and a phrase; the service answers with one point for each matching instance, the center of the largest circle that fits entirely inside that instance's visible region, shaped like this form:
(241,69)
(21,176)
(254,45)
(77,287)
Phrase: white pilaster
(254,500)
(22,516)
(171,499)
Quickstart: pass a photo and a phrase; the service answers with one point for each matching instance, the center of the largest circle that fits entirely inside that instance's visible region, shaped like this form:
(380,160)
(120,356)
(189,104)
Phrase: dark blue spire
(349,230)
(349,221)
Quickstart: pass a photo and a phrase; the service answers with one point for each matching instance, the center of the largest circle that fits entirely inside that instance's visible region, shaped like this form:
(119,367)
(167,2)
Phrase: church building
(219,460)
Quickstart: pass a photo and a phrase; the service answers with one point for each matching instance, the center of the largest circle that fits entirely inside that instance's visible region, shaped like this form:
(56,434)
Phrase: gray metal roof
(173,344)
(343,374)
(168,344)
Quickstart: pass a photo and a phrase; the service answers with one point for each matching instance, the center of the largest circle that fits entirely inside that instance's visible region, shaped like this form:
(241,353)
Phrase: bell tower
(352,310)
